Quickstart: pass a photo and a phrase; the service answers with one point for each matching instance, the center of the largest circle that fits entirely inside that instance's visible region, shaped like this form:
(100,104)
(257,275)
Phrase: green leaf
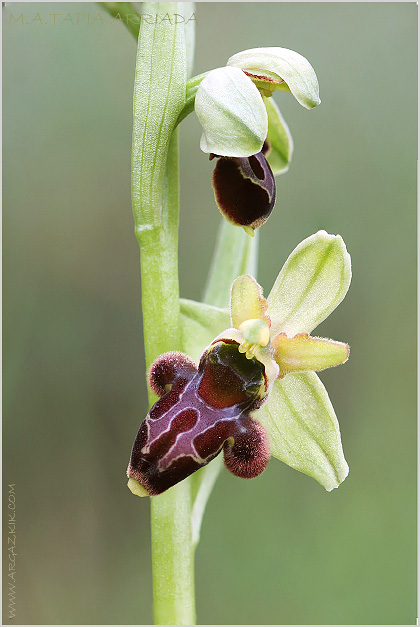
(313,281)
(200,324)
(232,113)
(280,139)
(303,428)
(281,63)
(159,95)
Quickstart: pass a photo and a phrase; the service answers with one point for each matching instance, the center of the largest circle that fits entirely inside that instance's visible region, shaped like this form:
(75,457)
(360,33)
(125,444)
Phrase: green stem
(159,269)
(172,551)
(159,96)
(190,93)
(173,557)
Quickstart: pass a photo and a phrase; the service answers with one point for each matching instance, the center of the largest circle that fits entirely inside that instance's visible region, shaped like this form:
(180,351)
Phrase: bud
(244,190)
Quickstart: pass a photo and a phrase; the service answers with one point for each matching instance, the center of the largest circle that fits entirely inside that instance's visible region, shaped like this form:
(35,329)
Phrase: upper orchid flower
(254,391)
(242,125)
(231,102)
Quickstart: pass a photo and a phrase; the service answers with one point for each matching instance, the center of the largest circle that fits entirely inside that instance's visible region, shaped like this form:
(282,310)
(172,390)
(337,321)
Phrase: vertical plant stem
(159,269)
(173,557)
(159,96)
(172,552)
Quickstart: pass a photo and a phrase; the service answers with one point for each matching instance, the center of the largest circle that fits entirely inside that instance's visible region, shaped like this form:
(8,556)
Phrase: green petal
(286,64)
(246,301)
(280,139)
(313,281)
(303,352)
(232,113)
(303,428)
(200,324)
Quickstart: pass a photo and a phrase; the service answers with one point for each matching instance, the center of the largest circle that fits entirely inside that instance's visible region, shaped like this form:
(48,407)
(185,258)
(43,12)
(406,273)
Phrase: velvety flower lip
(255,389)
(201,411)
(245,189)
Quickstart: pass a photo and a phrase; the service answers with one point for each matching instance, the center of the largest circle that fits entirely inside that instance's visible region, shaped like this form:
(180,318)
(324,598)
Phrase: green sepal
(312,282)
(232,114)
(303,428)
(279,138)
(200,324)
(281,63)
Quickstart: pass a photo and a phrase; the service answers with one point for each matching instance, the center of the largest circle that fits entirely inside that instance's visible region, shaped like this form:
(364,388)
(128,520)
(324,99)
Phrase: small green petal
(313,281)
(285,64)
(232,113)
(303,428)
(279,138)
(303,352)
(246,301)
(200,323)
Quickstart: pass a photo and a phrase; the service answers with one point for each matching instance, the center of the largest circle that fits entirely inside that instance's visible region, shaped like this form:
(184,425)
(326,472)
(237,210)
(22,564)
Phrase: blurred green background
(277,550)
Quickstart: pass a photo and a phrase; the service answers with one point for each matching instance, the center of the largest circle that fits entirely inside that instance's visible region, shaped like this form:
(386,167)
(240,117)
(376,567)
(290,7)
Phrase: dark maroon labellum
(200,412)
(245,189)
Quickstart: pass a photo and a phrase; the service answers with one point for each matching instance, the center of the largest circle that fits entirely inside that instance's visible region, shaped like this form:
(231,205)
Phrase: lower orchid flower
(255,390)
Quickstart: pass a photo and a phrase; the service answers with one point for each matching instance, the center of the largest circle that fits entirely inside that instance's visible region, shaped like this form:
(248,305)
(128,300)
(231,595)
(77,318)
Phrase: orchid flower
(255,391)
(244,127)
